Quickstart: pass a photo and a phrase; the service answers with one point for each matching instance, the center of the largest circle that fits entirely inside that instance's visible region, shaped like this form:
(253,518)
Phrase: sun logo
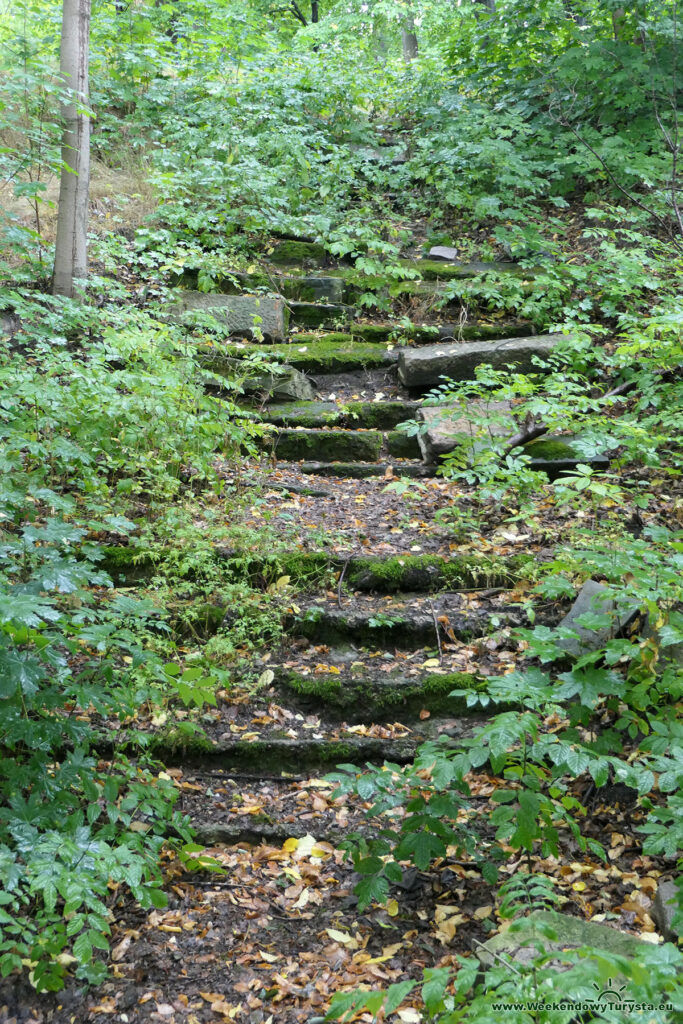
(612,993)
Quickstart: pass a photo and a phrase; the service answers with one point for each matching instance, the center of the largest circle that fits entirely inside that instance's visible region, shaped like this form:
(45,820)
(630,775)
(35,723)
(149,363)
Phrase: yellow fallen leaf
(392,908)
(343,937)
(270,957)
(481,912)
(304,897)
(431,663)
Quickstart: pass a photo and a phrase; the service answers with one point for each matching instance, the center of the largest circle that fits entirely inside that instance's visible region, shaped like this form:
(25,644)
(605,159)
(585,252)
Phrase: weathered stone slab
(448,423)
(594,599)
(287,385)
(424,367)
(238,312)
(522,944)
(313,289)
(664,909)
(330,316)
(329,445)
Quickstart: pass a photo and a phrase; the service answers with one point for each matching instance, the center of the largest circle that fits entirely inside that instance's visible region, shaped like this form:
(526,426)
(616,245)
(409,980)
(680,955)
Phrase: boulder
(424,367)
(664,909)
(237,312)
(594,599)
(530,938)
(446,422)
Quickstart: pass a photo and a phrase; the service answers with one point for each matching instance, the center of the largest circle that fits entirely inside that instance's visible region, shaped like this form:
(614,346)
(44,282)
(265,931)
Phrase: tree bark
(71,250)
(409,40)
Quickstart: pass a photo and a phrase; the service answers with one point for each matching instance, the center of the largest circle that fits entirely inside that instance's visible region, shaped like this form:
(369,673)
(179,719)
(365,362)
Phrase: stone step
(245,315)
(330,445)
(338,446)
(447,331)
(331,353)
(424,368)
(359,692)
(409,619)
(378,415)
(440,270)
(392,469)
(329,316)
(313,569)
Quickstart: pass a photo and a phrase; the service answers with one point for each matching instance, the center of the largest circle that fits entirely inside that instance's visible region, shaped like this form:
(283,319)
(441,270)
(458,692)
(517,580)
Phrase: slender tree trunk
(315,14)
(71,251)
(409,40)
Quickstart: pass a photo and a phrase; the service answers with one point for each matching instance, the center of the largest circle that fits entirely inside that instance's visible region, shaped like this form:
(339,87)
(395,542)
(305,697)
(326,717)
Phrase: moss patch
(290,253)
(552,450)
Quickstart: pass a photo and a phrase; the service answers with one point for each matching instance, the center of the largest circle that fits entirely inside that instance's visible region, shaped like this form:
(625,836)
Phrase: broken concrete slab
(449,425)
(530,938)
(603,620)
(424,367)
(664,909)
(245,315)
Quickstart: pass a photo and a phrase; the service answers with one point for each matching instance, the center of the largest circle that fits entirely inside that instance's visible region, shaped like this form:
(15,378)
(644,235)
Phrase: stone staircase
(336,388)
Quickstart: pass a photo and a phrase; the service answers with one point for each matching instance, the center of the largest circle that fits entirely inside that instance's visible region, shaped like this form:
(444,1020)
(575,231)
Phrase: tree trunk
(71,251)
(315,15)
(409,40)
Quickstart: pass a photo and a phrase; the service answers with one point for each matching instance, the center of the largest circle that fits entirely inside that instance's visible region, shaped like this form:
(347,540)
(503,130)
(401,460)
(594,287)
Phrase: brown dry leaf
(482,912)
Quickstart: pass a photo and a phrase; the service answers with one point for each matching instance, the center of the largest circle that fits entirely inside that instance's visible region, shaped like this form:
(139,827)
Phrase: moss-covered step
(408,620)
(313,289)
(289,756)
(329,316)
(377,415)
(555,455)
(333,353)
(438,270)
(298,253)
(402,446)
(330,445)
(424,334)
(424,573)
(359,694)
(362,470)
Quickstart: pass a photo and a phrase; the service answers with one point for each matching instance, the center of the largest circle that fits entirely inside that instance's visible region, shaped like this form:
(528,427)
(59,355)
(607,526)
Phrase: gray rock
(237,312)
(522,945)
(446,422)
(443,252)
(594,599)
(664,909)
(424,367)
